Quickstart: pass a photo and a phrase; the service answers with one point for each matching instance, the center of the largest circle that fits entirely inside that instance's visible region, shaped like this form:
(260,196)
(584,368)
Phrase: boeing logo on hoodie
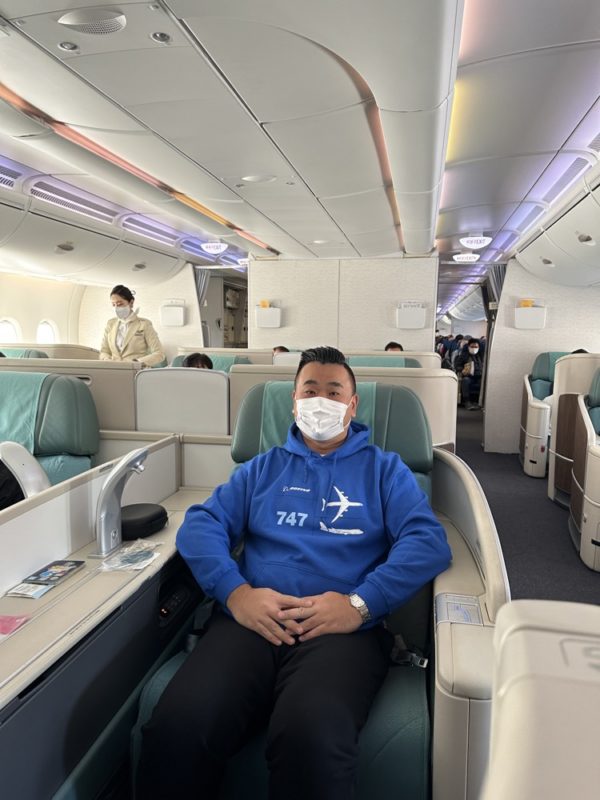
(343,504)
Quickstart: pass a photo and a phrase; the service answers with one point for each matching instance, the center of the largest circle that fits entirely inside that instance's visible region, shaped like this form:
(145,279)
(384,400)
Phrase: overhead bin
(148,266)
(545,259)
(578,233)
(10,219)
(49,247)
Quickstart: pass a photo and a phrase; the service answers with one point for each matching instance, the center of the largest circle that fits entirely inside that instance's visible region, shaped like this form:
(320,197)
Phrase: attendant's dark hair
(198,360)
(123,292)
(325,355)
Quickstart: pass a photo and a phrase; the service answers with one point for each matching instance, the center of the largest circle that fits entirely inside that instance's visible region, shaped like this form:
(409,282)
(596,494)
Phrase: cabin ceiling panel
(221,137)
(334,153)
(377,243)
(498,180)
(142,21)
(526,104)
(281,75)
(493,30)
(34,75)
(334,250)
(474,218)
(404,51)
(410,140)
(33,247)
(359,213)
(15,123)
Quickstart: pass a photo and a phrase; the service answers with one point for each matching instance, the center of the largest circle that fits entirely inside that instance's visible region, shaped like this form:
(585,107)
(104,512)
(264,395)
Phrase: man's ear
(354,405)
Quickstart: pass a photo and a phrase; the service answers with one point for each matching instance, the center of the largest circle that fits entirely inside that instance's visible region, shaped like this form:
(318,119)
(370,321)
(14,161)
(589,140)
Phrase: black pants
(469,388)
(315,697)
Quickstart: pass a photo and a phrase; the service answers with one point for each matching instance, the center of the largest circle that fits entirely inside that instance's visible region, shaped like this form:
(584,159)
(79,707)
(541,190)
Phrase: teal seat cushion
(23,352)
(67,420)
(594,393)
(382,361)
(62,467)
(178,361)
(394,744)
(163,363)
(540,388)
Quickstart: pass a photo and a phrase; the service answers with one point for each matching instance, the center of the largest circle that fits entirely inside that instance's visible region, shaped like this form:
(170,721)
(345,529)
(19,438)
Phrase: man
(469,367)
(336,535)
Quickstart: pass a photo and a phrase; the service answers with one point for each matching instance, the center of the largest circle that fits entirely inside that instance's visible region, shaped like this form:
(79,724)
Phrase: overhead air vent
(150,229)
(8,176)
(534,214)
(94,21)
(86,204)
(566,179)
(595,144)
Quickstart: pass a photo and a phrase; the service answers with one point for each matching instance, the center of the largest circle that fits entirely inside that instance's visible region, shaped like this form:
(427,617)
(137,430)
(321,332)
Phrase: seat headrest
(544,365)
(593,399)
(382,361)
(48,413)
(394,414)
(23,352)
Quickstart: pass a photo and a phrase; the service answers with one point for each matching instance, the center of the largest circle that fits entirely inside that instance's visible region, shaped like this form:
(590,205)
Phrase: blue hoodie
(354,520)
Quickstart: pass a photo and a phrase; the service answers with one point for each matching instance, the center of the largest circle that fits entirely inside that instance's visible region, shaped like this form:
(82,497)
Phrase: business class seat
(535,414)
(584,517)
(54,417)
(395,742)
(383,361)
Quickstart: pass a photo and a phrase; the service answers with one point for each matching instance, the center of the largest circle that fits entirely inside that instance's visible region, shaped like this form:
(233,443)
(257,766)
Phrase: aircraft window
(9,330)
(46,332)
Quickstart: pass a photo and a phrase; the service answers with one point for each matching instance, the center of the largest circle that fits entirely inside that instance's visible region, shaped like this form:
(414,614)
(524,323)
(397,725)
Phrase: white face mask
(123,312)
(473,350)
(319,418)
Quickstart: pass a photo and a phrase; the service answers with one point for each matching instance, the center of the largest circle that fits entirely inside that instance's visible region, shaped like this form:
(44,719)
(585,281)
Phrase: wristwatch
(359,604)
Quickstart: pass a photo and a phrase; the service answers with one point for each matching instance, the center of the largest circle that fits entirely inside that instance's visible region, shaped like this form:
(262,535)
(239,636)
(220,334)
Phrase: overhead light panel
(94,21)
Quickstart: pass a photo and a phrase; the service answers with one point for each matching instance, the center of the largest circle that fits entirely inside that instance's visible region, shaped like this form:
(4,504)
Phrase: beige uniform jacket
(141,343)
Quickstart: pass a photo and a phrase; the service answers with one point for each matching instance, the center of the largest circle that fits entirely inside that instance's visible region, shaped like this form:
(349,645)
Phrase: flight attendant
(128,337)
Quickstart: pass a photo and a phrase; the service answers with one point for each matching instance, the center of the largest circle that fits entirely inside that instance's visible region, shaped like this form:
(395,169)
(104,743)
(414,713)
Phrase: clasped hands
(281,617)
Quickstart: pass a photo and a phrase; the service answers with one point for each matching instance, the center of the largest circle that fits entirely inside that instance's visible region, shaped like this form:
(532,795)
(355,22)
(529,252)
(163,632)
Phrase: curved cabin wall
(571,323)
(30,300)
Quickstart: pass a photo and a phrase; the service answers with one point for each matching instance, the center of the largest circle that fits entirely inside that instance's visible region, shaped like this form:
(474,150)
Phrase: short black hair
(123,292)
(393,346)
(198,360)
(473,341)
(325,355)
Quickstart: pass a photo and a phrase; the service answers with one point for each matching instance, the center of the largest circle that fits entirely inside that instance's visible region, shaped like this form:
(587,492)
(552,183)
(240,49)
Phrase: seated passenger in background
(280,349)
(128,337)
(393,346)
(337,534)
(198,360)
(469,367)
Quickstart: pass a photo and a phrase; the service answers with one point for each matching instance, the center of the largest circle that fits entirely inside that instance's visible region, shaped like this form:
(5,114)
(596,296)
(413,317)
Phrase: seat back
(593,402)
(23,352)
(53,417)
(542,374)
(182,400)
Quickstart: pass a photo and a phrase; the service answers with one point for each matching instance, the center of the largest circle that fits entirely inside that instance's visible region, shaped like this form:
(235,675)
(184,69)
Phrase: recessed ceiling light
(466,258)
(259,178)
(319,241)
(70,47)
(547,262)
(475,242)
